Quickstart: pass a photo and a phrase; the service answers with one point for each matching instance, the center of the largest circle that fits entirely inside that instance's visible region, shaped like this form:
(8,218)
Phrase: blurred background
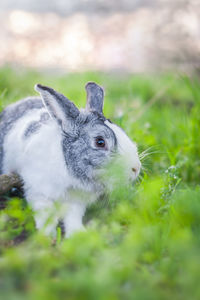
(142,242)
(114,35)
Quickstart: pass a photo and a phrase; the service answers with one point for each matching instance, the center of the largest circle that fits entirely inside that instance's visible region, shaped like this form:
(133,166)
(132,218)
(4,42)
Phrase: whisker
(144,154)
(143,169)
(150,151)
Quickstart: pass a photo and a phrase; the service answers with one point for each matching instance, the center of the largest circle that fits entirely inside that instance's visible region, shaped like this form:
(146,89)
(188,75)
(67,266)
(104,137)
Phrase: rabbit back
(11,114)
(32,148)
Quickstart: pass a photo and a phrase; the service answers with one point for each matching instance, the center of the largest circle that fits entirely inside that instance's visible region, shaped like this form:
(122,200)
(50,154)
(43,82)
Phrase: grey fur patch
(81,156)
(44,117)
(11,114)
(34,126)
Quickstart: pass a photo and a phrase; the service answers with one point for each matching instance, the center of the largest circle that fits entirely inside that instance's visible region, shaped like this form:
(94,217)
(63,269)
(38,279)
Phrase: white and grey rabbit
(58,149)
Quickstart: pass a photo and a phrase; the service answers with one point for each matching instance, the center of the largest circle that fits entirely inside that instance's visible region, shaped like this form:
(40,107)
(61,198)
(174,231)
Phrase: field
(140,243)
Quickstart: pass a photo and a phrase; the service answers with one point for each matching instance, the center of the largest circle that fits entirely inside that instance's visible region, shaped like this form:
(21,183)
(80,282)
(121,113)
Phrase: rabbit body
(57,150)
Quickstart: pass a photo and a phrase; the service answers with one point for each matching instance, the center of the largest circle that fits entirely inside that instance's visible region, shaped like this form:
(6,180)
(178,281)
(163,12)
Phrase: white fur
(127,149)
(40,162)
(38,158)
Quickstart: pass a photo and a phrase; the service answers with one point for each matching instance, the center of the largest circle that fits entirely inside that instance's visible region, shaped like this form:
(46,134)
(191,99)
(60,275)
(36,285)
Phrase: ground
(142,242)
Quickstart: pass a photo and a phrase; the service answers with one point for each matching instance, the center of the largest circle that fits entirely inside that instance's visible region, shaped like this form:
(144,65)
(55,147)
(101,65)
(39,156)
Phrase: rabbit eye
(100,142)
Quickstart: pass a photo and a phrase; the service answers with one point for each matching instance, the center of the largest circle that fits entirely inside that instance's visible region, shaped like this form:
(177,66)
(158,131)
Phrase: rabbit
(58,149)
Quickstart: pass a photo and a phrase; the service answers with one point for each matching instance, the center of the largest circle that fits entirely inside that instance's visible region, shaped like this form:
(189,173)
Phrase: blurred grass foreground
(143,243)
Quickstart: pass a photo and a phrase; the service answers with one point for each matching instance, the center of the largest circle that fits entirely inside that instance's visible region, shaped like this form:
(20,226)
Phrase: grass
(144,243)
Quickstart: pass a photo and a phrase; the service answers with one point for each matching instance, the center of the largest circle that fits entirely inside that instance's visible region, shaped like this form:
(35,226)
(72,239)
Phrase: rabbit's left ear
(95,97)
(59,107)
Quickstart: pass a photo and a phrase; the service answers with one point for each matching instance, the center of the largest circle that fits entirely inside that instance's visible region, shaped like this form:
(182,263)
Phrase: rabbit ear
(58,106)
(95,97)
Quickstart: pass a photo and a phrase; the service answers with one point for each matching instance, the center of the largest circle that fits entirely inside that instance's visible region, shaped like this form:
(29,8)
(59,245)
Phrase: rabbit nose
(134,170)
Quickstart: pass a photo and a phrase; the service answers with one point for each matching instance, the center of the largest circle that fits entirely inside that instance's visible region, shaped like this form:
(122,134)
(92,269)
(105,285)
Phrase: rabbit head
(89,140)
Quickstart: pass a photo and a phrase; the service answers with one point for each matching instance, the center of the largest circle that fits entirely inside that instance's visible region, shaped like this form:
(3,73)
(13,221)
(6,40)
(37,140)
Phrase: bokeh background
(114,35)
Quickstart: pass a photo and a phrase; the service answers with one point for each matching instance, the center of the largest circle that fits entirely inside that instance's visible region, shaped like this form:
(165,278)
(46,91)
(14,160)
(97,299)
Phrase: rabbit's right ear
(58,106)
